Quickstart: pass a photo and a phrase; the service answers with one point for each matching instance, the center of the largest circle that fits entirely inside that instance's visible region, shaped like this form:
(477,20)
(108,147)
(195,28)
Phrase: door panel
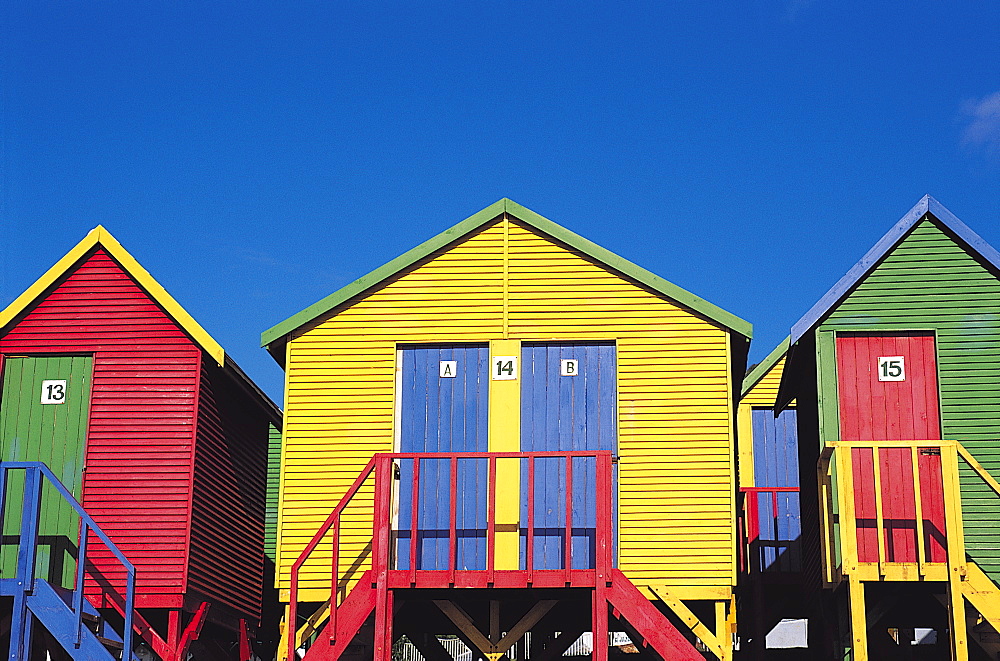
(444,391)
(566,407)
(776,464)
(53,433)
(902,405)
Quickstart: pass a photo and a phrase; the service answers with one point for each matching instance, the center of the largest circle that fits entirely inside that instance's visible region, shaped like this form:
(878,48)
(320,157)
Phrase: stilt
(956,620)
(859,621)
(600,623)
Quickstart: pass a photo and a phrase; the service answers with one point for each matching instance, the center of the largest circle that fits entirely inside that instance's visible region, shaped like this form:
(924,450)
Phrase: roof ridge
(699,305)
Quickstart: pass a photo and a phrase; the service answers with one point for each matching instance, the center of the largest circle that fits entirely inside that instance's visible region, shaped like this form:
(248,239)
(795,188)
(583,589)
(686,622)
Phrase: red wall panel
(137,481)
(227,536)
(873,410)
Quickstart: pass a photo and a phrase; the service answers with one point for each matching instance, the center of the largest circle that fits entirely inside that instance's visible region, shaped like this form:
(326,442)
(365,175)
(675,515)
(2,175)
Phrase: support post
(859,621)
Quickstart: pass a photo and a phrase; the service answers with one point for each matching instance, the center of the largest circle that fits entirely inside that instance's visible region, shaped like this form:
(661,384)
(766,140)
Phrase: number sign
(54,391)
(569,367)
(504,368)
(891,368)
(448,369)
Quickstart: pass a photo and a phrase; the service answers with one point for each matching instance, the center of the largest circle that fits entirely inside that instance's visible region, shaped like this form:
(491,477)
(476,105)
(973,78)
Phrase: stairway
(984,595)
(50,605)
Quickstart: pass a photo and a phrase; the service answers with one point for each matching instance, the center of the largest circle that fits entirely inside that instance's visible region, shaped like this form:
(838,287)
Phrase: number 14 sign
(891,368)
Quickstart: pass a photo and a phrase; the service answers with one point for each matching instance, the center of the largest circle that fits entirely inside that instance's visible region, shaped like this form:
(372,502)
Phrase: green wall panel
(930,282)
(54,433)
(273,473)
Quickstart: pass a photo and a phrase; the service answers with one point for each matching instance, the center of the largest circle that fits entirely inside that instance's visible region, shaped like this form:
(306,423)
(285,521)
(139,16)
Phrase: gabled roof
(281,331)
(926,205)
(102,237)
(754,376)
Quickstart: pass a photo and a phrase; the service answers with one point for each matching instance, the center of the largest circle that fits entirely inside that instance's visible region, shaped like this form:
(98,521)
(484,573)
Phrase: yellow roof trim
(102,237)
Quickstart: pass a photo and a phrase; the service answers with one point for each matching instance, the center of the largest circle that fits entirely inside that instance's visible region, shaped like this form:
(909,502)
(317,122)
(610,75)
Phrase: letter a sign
(448,369)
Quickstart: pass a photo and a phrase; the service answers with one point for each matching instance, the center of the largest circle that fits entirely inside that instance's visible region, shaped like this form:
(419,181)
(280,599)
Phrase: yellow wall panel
(506,281)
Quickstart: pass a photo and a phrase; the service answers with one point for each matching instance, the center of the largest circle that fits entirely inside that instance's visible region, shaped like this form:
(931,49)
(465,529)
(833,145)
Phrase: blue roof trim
(927,204)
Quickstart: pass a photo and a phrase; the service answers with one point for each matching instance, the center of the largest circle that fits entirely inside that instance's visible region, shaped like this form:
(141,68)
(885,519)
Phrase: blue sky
(256,156)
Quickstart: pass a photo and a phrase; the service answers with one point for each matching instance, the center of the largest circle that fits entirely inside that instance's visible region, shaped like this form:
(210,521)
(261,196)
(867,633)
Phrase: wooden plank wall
(227,515)
(506,281)
(930,282)
(142,423)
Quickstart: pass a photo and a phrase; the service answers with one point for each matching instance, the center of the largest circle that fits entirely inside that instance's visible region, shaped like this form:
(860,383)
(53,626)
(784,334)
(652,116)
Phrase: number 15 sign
(891,368)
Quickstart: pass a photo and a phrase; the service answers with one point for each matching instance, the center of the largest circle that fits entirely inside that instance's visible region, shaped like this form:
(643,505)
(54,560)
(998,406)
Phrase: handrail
(381,464)
(837,456)
(26,555)
(976,466)
(751,522)
(333,520)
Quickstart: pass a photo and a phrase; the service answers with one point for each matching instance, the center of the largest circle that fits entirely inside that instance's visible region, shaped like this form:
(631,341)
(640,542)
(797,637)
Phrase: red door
(887,385)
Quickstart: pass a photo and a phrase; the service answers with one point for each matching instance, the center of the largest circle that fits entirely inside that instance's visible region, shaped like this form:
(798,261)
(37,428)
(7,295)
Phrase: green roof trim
(476,221)
(754,376)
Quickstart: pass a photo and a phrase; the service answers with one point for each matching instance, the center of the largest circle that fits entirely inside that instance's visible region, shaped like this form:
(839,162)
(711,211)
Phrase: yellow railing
(935,491)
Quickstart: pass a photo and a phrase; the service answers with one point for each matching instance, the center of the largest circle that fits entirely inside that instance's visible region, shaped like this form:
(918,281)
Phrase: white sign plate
(504,368)
(54,391)
(448,369)
(891,368)
(569,367)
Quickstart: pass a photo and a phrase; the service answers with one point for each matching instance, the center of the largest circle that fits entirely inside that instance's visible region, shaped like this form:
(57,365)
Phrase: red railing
(767,545)
(594,507)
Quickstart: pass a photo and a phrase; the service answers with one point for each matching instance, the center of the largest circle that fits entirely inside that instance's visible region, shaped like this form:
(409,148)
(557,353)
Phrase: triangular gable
(281,331)
(927,205)
(754,376)
(101,237)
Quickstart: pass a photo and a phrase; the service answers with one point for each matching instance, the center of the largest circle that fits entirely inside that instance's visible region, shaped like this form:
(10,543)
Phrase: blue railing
(35,473)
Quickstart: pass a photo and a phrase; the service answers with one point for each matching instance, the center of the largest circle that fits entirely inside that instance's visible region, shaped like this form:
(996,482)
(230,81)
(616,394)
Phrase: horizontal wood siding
(675,418)
(230,481)
(765,391)
(341,382)
(930,282)
(676,474)
(138,455)
(273,482)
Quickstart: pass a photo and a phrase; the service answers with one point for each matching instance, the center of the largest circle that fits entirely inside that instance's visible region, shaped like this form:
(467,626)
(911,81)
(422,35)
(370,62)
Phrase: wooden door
(444,400)
(44,408)
(888,391)
(568,402)
(776,464)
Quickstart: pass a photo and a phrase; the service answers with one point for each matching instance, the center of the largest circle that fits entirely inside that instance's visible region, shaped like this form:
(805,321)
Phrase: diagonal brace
(706,635)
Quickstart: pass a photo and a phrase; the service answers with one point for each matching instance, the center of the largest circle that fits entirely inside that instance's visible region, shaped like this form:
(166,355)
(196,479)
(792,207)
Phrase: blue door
(776,464)
(568,402)
(444,394)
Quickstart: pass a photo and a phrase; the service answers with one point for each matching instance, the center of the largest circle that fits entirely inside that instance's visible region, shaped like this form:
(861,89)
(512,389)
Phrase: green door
(44,405)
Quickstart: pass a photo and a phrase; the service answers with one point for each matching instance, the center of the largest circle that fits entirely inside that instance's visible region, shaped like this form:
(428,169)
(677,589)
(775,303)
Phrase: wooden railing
(562,514)
(893,509)
(770,528)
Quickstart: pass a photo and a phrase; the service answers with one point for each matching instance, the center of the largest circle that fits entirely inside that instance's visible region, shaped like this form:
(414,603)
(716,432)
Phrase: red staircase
(490,608)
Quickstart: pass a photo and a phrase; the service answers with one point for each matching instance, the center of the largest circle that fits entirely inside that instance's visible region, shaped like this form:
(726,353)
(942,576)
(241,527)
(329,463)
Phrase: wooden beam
(699,629)
(465,624)
(530,619)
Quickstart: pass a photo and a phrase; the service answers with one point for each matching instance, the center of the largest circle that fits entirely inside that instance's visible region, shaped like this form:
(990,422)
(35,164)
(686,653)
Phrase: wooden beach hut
(508,430)
(771,601)
(159,435)
(896,377)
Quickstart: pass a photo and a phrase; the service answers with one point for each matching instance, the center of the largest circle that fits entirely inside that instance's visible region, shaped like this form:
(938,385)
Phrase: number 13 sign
(891,368)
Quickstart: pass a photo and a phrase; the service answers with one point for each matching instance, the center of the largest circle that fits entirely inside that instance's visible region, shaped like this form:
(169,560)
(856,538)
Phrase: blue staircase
(67,615)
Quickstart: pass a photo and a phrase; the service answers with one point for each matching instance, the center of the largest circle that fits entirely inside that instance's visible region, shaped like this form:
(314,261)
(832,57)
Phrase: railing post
(529,542)
(81,562)
(380,559)
(129,612)
(919,511)
(844,458)
(491,522)
(415,517)
(955,552)
(21,619)
(453,523)
(568,560)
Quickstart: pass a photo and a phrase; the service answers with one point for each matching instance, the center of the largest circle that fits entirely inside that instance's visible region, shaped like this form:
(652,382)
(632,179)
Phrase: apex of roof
(926,206)
(281,332)
(759,371)
(99,236)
